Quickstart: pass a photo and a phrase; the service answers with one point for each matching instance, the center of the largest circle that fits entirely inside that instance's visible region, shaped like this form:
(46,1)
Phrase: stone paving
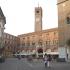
(23,64)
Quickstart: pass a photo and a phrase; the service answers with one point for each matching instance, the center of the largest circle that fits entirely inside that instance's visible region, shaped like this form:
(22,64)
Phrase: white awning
(53,53)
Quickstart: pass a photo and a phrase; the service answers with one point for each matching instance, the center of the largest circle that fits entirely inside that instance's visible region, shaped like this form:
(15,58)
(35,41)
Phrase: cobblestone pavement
(23,64)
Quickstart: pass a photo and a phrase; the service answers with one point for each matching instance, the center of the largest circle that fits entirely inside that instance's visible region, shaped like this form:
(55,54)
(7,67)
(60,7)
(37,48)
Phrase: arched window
(33,43)
(68,20)
(0,25)
(40,50)
(40,42)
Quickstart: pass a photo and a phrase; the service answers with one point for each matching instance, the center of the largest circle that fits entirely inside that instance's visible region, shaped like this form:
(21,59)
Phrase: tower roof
(1,13)
(2,16)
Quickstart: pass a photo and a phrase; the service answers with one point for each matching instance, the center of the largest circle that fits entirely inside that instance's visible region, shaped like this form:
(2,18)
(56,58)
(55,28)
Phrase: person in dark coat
(45,60)
(48,60)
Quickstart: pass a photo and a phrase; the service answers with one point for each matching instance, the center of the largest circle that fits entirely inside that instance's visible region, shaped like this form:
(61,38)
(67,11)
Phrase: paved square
(23,64)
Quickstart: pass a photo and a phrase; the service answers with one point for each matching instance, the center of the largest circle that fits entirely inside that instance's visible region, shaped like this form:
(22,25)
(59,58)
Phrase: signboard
(62,52)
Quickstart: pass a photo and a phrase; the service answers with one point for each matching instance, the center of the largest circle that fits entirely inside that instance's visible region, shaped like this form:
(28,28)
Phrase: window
(33,43)
(55,42)
(49,42)
(46,42)
(40,42)
(5,42)
(23,44)
(23,38)
(68,20)
(54,33)
(28,44)
(28,38)
(47,34)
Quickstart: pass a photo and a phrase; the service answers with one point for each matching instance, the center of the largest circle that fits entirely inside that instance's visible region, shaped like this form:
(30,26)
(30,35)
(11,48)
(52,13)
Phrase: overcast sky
(20,15)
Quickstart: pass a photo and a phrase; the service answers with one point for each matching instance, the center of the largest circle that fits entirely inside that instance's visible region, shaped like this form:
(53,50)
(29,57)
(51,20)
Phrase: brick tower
(38,19)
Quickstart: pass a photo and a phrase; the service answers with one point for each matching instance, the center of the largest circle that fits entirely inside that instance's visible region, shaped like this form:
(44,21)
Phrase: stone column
(68,53)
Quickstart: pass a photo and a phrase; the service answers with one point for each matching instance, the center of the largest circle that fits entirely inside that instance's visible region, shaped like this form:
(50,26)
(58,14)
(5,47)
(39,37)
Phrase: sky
(20,18)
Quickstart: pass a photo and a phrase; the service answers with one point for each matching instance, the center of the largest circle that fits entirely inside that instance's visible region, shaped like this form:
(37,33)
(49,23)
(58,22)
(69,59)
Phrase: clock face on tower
(37,11)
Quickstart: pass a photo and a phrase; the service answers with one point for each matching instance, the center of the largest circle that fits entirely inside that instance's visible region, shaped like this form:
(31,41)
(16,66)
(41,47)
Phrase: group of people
(47,59)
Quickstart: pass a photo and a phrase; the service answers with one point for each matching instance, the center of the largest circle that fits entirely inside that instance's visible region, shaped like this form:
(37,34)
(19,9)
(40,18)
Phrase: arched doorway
(40,52)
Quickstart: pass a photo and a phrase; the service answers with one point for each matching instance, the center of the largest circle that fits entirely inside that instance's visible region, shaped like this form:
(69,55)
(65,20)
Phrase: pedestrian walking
(45,60)
(19,56)
(48,60)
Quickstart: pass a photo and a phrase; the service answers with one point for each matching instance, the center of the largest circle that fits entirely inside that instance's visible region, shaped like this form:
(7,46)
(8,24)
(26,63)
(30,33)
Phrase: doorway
(40,53)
